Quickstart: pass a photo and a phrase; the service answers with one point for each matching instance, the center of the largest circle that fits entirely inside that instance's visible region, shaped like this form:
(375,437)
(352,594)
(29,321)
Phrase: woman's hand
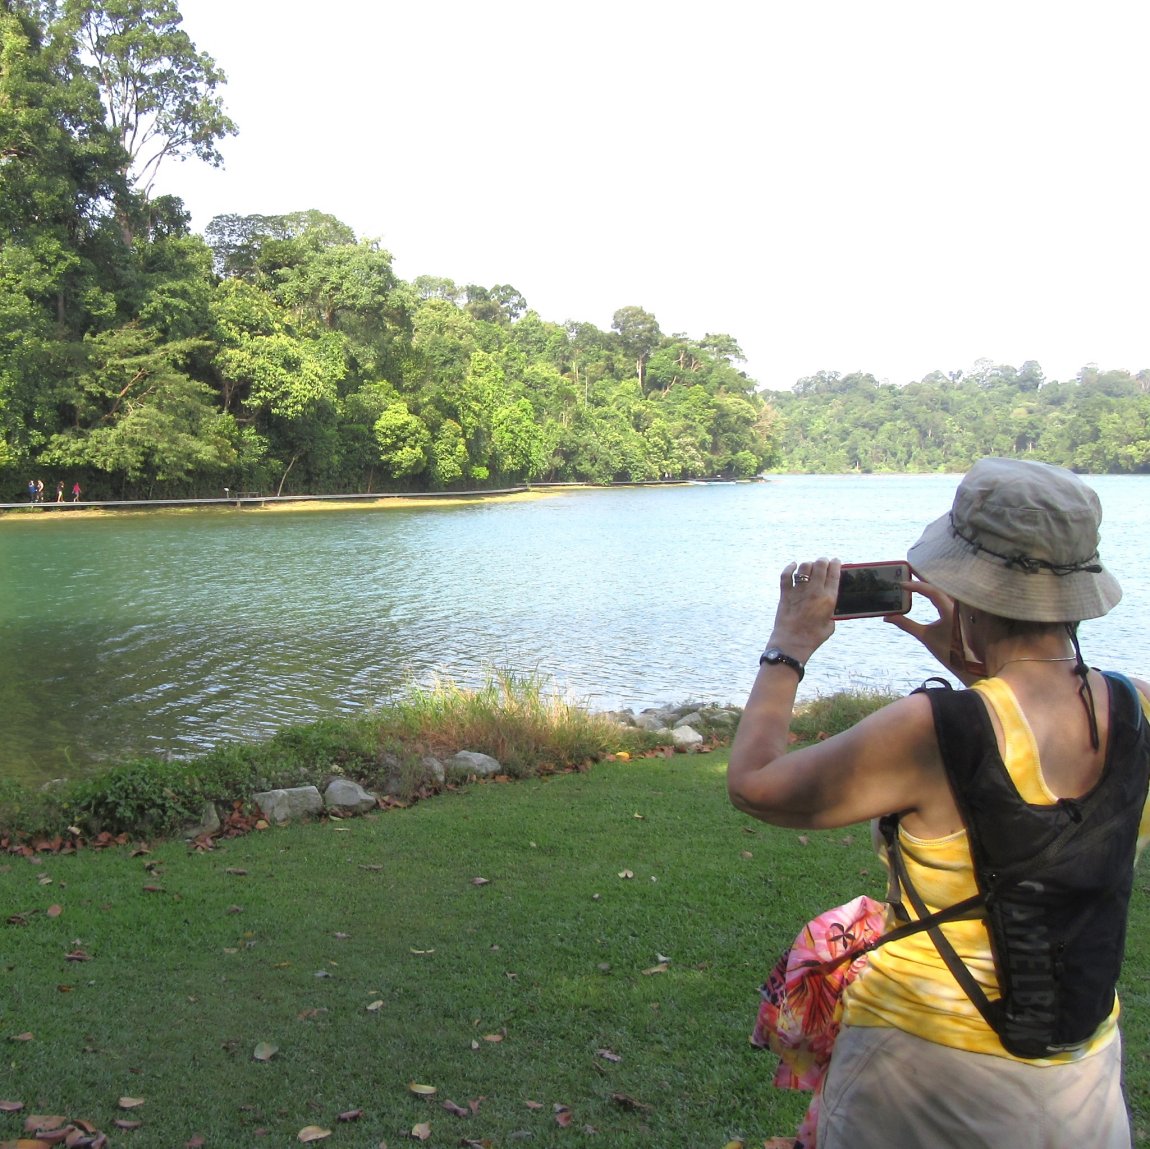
(803,619)
(937,636)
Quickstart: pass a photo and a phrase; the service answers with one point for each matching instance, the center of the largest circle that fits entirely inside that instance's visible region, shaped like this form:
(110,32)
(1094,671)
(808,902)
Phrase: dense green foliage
(1099,422)
(282,353)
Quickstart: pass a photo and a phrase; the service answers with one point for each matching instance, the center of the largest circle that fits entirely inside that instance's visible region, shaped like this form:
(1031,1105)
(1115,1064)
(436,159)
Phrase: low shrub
(832,713)
(147,796)
(527,727)
(46,811)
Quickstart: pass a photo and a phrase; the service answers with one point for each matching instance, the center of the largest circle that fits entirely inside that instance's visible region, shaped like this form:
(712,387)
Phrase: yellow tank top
(906,984)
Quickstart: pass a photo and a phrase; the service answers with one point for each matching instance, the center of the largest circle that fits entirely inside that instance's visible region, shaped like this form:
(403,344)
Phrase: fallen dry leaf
(608,1055)
(422,1090)
(351,1115)
(312,1133)
(41,1123)
(124,1123)
(375,1006)
(77,955)
(130,1102)
(562,1115)
(534,1104)
(626,873)
(21,1037)
(628,1102)
(804,840)
(735,1145)
(196,1142)
(11,1106)
(493,1037)
(422,1131)
(456,1110)
(265,1051)
(481,881)
(660,968)
(415,951)
(54,911)
(237,872)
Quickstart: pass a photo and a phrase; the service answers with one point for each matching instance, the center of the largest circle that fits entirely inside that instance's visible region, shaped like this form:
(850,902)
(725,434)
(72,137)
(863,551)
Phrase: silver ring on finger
(802,578)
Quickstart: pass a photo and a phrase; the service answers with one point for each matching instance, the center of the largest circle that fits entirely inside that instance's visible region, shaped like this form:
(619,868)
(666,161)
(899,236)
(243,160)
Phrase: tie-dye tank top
(906,984)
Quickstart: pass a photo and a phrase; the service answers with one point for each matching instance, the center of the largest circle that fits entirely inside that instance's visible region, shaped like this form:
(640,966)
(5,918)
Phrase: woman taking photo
(1011,570)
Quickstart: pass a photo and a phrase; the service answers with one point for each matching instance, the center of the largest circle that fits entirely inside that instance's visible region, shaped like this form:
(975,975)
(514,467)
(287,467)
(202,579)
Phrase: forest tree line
(282,354)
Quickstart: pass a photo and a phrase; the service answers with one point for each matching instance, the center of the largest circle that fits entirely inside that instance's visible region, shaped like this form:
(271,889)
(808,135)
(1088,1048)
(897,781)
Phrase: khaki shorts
(888,1090)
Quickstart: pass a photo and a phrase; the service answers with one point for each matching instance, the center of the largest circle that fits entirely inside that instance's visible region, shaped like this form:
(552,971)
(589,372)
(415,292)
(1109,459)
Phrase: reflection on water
(167,633)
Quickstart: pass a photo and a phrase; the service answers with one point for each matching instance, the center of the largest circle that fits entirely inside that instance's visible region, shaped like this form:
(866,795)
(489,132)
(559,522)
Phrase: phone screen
(867,590)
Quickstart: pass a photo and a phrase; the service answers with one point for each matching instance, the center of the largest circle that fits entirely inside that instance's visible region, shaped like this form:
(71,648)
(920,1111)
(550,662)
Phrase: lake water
(165,633)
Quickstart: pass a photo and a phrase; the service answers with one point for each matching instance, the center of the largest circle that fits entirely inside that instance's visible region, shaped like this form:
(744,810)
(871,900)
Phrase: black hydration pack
(1054,881)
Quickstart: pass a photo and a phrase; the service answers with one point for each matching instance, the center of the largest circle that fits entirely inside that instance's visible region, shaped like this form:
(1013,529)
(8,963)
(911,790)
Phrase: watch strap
(774,656)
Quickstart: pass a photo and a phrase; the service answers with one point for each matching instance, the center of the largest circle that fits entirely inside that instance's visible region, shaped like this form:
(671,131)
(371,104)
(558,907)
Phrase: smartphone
(867,590)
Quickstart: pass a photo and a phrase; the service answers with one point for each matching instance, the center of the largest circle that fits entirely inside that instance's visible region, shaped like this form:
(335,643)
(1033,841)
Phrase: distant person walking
(39,490)
(60,491)
(31,490)
(75,492)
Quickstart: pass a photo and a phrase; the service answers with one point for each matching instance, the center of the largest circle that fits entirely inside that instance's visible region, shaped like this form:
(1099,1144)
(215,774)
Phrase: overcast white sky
(893,187)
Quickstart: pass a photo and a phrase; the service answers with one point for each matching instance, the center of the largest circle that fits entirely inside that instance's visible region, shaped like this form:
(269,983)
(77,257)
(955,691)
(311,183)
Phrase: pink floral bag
(802,1005)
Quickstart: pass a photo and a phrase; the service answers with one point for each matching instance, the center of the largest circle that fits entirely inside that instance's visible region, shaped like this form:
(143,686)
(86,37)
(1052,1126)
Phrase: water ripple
(165,634)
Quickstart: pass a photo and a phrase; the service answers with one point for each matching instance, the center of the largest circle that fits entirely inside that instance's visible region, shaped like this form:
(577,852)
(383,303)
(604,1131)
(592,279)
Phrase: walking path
(249,500)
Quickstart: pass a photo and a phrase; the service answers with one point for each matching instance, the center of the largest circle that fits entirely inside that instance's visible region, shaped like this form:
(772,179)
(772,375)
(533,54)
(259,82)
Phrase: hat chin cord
(1084,691)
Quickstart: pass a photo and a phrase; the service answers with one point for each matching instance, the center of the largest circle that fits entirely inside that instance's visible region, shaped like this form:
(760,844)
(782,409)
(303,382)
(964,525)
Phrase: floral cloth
(802,1005)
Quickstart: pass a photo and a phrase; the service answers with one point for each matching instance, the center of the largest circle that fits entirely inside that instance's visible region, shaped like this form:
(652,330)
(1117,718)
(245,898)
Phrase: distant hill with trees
(1098,422)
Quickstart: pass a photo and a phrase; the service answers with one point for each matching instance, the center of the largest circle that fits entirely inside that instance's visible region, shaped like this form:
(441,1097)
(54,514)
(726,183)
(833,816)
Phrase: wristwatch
(772,656)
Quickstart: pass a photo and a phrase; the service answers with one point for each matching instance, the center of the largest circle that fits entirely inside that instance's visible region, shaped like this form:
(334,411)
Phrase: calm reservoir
(165,633)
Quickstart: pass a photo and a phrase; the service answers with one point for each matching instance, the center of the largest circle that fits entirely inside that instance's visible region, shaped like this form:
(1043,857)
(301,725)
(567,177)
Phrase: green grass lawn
(608,966)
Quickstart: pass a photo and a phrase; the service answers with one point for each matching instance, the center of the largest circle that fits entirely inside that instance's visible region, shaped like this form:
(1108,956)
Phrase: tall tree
(159,90)
(639,335)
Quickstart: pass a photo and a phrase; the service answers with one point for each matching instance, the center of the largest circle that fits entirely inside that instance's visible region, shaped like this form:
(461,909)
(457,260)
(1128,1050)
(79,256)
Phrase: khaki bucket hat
(1020,541)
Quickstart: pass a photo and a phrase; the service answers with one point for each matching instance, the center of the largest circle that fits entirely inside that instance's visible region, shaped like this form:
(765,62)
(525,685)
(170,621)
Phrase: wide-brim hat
(1020,541)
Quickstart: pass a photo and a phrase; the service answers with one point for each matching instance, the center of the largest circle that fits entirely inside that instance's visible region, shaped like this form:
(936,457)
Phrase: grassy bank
(526,727)
(569,957)
(615,948)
